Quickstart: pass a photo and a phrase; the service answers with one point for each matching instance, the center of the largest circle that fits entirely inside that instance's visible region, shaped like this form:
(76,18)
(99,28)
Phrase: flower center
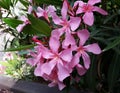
(81,49)
(27,22)
(87,8)
(65,23)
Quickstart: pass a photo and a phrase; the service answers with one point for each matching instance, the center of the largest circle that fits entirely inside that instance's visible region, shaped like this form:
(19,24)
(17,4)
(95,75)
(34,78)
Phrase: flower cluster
(56,60)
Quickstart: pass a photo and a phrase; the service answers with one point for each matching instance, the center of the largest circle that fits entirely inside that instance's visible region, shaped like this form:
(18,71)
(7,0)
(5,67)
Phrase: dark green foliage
(39,25)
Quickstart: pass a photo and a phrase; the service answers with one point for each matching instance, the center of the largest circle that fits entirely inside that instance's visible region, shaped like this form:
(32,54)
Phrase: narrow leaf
(19,48)
(12,22)
(52,2)
(40,25)
(113,44)
(113,72)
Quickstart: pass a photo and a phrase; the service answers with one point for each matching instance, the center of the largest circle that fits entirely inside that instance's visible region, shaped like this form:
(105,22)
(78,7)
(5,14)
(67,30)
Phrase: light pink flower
(45,12)
(30,9)
(51,64)
(21,26)
(57,58)
(82,50)
(67,25)
(88,9)
(53,77)
(37,59)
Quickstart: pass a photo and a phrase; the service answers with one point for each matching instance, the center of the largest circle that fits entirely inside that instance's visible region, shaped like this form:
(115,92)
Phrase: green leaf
(40,25)
(28,29)
(112,44)
(25,3)
(20,48)
(5,4)
(52,2)
(109,18)
(113,72)
(110,28)
(12,22)
(91,75)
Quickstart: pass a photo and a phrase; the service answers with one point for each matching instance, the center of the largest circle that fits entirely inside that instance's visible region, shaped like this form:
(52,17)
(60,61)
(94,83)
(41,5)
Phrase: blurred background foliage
(104,74)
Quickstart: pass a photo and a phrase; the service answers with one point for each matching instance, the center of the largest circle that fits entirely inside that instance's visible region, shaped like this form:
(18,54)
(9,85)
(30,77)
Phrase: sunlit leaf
(12,22)
(20,48)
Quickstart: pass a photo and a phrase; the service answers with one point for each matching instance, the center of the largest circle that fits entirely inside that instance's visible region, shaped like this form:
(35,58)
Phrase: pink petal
(74,23)
(30,1)
(52,84)
(92,2)
(83,35)
(20,27)
(38,70)
(23,18)
(86,60)
(46,53)
(64,10)
(94,48)
(88,18)
(61,85)
(40,12)
(35,60)
(66,55)
(48,67)
(75,60)
(81,3)
(80,69)
(30,9)
(69,40)
(57,33)
(80,10)
(31,61)
(62,72)
(99,10)
(56,19)
(54,44)
(51,9)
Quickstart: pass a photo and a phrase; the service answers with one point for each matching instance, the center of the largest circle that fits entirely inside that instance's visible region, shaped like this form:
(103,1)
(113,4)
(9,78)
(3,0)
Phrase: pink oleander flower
(56,58)
(82,50)
(53,78)
(67,25)
(35,56)
(25,22)
(88,9)
(2,69)
(51,60)
(30,9)
(45,12)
